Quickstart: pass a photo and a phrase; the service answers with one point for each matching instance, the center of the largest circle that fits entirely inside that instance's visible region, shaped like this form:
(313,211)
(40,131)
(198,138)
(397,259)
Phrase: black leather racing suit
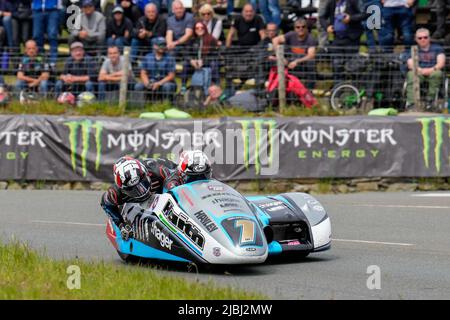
(114,198)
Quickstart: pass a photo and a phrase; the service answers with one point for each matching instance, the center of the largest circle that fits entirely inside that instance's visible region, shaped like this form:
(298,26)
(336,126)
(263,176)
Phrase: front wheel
(345,96)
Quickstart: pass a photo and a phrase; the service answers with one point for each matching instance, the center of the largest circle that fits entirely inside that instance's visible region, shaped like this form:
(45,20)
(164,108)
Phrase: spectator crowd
(164,34)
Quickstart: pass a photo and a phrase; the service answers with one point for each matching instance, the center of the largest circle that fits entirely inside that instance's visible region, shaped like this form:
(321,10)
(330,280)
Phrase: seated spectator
(214,25)
(300,51)
(202,54)
(21,22)
(93,27)
(119,29)
(431,64)
(6,9)
(79,72)
(179,27)
(46,21)
(266,55)
(342,19)
(396,13)
(142,3)
(147,28)
(111,73)
(33,72)
(130,10)
(158,72)
(270,10)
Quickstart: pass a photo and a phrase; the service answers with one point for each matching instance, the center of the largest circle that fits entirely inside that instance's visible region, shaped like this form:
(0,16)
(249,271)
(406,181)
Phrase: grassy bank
(26,274)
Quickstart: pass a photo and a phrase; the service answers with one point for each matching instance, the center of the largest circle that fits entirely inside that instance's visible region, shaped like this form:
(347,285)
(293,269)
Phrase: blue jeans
(104,87)
(230,6)
(22,85)
(7,24)
(167,90)
(47,22)
(270,9)
(119,42)
(76,88)
(371,43)
(396,17)
(137,47)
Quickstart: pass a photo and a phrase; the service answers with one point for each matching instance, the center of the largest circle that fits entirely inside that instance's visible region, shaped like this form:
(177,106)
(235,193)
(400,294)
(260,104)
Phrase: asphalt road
(406,235)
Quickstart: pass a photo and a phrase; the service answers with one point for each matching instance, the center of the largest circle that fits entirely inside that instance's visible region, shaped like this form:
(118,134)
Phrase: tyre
(345,96)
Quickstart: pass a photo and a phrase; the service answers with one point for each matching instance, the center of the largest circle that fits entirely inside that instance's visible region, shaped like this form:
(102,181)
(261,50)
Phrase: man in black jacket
(342,19)
(118,29)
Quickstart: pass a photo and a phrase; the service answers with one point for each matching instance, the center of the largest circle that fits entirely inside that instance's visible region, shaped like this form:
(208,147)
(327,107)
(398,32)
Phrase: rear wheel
(345,96)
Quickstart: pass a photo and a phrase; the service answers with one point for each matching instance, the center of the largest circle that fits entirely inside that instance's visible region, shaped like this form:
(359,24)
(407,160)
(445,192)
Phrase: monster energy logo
(439,136)
(85,126)
(262,133)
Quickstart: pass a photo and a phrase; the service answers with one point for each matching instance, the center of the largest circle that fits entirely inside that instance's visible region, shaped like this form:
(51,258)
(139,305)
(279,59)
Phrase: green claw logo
(86,126)
(257,128)
(439,136)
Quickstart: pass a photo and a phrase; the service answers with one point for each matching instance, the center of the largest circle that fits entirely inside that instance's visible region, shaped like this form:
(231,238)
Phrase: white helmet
(132,177)
(194,165)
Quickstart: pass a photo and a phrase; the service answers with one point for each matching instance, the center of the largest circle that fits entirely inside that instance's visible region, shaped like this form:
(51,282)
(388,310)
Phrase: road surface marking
(399,206)
(375,242)
(70,223)
(432,195)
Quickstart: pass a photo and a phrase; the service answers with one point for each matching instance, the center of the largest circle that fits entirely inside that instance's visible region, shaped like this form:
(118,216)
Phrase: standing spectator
(33,72)
(21,22)
(111,73)
(249,28)
(148,27)
(215,27)
(6,9)
(441,17)
(396,14)
(203,54)
(119,29)
(270,9)
(46,21)
(93,27)
(79,72)
(266,56)
(300,51)
(130,10)
(342,19)
(158,71)
(179,27)
(431,64)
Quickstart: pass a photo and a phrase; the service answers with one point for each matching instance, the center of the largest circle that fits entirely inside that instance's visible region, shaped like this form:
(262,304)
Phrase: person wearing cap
(93,26)
(147,28)
(46,21)
(79,72)
(130,9)
(158,72)
(118,29)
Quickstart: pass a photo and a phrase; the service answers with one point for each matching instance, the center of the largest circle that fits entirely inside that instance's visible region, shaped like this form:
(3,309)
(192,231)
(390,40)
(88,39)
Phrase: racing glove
(126,232)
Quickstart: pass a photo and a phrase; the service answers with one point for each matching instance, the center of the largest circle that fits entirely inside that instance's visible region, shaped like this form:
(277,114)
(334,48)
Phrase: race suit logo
(258,136)
(428,124)
(83,128)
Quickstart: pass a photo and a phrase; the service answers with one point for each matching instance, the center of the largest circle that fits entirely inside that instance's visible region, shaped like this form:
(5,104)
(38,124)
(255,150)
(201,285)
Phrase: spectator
(396,13)
(270,9)
(93,27)
(369,31)
(21,22)
(119,29)
(214,25)
(441,17)
(203,54)
(148,27)
(179,27)
(266,55)
(46,21)
(249,28)
(300,51)
(131,11)
(342,19)
(79,72)
(111,73)
(431,64)
(158,3)
(6,9)
(158,71)
(33,72)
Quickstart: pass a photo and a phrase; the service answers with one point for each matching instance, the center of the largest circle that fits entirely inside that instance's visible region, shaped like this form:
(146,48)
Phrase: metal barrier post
(124,80)
(416,80)
(281,77)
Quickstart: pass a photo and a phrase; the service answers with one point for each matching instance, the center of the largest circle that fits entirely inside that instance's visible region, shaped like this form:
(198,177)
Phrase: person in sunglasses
(215,27)
(300,51)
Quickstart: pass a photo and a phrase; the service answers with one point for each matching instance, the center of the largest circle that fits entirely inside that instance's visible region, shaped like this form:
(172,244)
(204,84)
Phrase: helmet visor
(138,191)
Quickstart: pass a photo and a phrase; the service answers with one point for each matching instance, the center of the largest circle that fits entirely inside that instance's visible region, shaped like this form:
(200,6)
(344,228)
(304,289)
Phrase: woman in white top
(213,24)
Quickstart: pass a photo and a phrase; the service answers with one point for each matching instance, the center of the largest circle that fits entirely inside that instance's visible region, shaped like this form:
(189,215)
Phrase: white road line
(70,223)
(399,206)
(376,242)
(432,195)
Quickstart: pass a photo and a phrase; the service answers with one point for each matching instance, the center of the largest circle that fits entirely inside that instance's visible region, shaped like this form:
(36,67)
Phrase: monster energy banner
(84,149)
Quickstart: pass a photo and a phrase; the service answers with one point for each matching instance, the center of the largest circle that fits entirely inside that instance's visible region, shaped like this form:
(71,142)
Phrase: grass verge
(26,274)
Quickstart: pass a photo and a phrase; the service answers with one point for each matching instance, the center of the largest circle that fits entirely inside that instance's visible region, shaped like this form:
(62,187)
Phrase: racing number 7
(247,231)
